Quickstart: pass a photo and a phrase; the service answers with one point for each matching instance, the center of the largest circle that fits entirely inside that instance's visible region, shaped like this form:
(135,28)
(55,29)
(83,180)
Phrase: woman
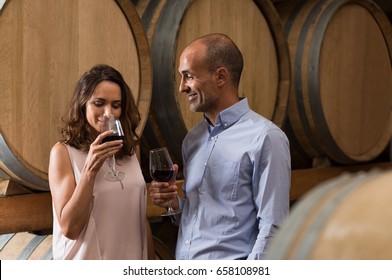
(95,218)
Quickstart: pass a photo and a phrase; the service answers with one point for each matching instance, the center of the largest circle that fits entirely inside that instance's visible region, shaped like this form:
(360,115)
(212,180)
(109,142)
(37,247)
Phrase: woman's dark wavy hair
(75,128)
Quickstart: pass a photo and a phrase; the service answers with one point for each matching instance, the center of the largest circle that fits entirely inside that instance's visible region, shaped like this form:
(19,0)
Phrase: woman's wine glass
(161,170)
(111,123)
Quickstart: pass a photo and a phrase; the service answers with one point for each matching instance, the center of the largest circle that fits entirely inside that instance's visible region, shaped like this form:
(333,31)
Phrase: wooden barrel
(386,6)
(165,237)
(29,246)
(341,97)
(344,218)
(45,47)
(25,246)
(253,25)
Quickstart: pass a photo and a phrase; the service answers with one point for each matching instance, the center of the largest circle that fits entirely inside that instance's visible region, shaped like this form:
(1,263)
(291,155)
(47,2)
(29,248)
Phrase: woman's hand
(99,151)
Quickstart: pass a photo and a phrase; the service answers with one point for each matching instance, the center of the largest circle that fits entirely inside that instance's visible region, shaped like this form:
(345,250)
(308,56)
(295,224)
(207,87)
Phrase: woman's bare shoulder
(59,151)
(59,147)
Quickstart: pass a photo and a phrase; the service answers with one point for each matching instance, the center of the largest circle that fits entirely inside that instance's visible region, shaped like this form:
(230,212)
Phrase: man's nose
(183,87)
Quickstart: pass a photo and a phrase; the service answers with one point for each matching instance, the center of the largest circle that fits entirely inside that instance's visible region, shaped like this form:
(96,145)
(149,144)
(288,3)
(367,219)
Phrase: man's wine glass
(111,123)
(161,170)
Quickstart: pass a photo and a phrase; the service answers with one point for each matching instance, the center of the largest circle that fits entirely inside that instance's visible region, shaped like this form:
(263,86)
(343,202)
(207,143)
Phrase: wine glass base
(114,177)
(171,213)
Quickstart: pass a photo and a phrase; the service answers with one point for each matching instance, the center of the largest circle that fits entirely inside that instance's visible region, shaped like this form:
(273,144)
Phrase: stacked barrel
(344,218)
(256,28)
(320,69)
(340,107)
(45,47)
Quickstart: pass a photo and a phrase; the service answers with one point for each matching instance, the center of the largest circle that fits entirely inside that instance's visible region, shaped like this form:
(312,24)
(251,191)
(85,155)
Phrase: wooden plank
(25,212)
(33,212)
(8,187)
(303,180)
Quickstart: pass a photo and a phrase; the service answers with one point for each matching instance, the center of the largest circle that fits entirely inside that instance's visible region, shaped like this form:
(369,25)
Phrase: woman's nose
(108,111)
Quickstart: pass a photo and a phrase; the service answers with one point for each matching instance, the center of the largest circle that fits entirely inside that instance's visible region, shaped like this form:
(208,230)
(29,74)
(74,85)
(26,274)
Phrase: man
(236,162)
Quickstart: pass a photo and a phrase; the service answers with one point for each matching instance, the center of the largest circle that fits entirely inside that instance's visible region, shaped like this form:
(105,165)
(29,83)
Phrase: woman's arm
(72,203)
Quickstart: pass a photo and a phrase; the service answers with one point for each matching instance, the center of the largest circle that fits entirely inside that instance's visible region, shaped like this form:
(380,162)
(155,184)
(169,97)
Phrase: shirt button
(225,125)
(186,242)
(212,138)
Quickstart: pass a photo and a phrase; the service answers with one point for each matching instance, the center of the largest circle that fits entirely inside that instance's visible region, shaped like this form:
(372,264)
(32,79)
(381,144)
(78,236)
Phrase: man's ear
(222,76)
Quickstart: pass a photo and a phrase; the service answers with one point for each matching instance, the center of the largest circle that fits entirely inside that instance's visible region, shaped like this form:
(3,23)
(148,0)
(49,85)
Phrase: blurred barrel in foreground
(348,217)
(341,102)
(45,47)
(25,246)
(253,25)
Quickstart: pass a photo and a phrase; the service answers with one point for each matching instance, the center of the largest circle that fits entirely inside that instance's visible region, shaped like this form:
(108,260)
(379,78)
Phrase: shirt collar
(231,115)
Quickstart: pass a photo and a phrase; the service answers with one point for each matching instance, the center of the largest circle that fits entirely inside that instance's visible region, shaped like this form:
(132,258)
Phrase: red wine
(162,175)
(112,138)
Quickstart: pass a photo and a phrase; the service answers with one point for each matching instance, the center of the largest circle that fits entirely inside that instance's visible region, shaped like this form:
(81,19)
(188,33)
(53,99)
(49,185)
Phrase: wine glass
(111,123)
(161,169)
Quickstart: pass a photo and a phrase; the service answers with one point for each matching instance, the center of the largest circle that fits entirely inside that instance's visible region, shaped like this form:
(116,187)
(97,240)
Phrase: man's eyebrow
(186,71)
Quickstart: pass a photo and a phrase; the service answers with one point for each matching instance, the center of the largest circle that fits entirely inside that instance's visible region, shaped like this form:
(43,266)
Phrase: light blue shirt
(237,182)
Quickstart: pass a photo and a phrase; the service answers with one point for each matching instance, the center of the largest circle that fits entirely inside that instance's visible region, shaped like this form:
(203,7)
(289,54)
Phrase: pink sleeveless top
(116,228)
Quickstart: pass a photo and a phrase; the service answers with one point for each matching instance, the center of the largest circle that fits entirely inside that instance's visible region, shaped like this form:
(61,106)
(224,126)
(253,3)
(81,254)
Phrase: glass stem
(170,207)
(114,171)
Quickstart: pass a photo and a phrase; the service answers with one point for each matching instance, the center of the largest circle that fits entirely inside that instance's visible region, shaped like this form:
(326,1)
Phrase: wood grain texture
(46,46)
(341,102)
(26,212)
(341,219)
(253,25)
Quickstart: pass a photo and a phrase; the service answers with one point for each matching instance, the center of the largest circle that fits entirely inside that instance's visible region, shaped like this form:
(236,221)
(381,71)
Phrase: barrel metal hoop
(4,239)
(29,249)
(26,176)
(298,92)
